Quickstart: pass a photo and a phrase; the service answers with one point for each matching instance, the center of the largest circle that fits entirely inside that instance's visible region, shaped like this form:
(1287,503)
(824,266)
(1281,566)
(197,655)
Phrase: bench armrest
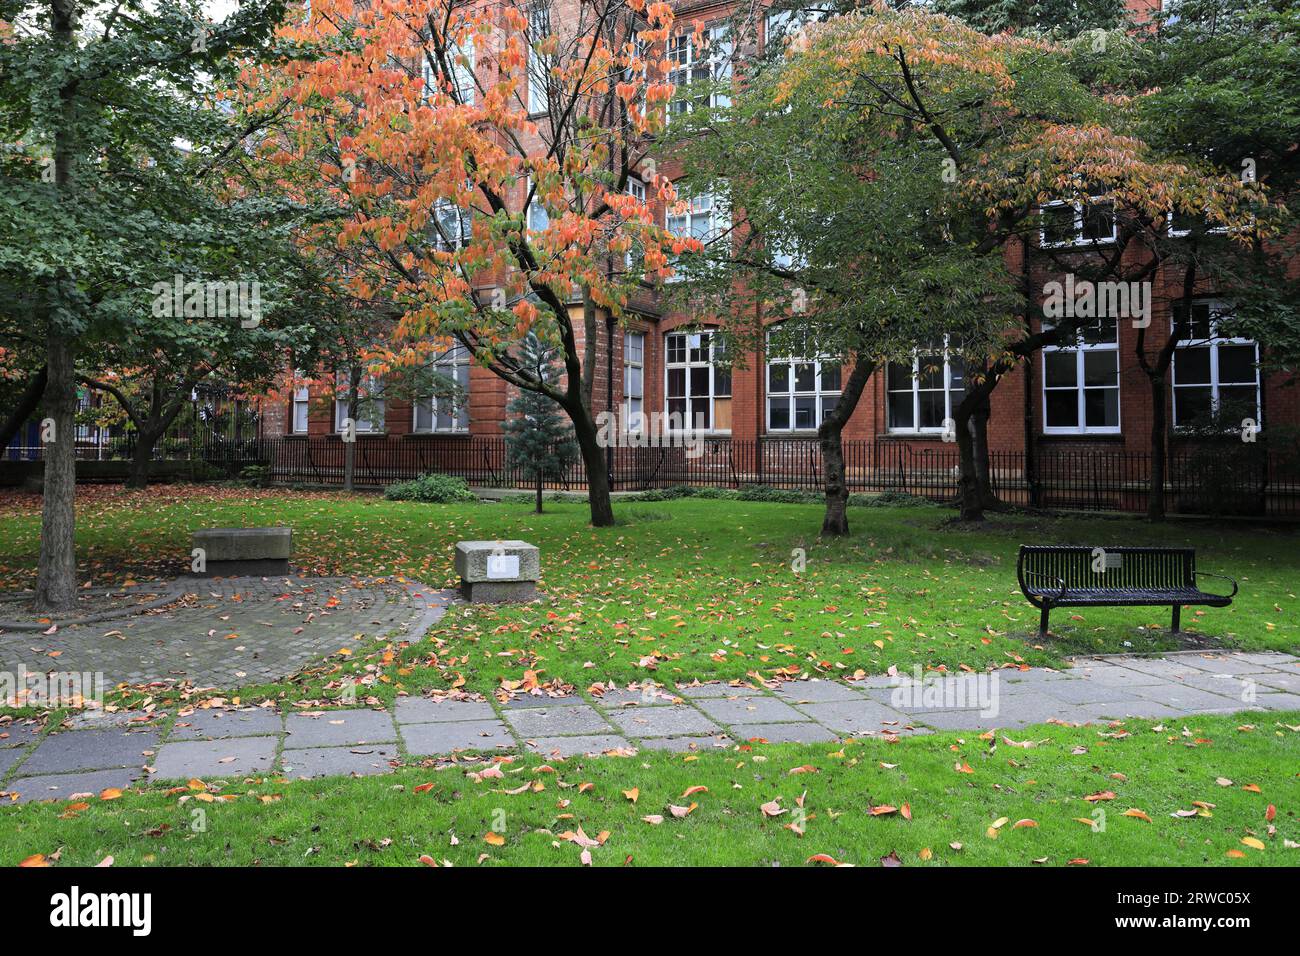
(1221,577)
(1058,582)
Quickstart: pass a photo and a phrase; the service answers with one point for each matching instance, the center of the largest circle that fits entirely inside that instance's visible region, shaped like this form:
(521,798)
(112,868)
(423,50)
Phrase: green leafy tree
(539,438)
(114,135)
(877,179)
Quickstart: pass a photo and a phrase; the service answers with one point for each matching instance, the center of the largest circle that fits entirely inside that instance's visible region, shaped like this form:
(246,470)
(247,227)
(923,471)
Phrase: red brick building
(1091,400)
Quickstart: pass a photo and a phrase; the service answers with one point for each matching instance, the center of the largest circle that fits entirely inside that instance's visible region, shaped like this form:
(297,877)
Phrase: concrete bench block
(238,551)
(496,571)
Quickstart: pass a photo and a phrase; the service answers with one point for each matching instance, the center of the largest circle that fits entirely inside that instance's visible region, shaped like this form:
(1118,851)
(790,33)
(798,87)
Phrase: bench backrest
(1105,567)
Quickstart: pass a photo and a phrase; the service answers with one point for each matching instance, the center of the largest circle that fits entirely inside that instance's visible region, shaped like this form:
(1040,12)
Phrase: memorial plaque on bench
(497,571)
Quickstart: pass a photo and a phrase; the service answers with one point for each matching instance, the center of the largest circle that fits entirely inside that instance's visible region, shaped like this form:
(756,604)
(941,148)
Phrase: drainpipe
(609,392)
(1031,459)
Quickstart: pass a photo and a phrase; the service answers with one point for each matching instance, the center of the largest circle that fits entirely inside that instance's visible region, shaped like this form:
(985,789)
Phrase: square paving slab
(64,786)
(695,691)
(71,750)
(816,691)
(526,701)
(626,697)
(1189,699)
(686,744)
(338,728)
(16,734)
(749,710)
(1279,680)
(221,724)
(362,761)
(214,758)
(423,710)
(861,716)
(553,721)
(424,740)
(805,733)
(1277,701)
(663,722)
(577,746)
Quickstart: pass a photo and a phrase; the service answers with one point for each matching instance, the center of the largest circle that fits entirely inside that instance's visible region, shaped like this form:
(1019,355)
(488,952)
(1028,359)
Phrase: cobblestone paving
(233,631)
(88,755)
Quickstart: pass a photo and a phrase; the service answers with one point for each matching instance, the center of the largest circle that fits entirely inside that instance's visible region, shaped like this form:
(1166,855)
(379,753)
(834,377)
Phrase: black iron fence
(1219,478)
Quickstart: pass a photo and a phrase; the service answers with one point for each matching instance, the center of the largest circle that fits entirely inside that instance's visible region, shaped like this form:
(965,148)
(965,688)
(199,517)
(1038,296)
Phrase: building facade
(1063,403)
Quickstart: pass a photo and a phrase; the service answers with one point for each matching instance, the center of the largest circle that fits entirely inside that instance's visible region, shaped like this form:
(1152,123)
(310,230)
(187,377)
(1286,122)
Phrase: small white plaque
(502,567)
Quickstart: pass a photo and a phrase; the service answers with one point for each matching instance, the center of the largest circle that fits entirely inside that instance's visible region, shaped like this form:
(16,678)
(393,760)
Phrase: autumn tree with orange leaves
(478,156)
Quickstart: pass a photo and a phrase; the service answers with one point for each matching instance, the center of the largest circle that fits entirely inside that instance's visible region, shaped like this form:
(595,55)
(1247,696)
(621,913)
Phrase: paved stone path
(109,751)
(232,632)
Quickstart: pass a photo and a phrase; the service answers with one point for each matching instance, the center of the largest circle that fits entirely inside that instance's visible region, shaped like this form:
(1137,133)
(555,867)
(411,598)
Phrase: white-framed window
(441,413)
(704,217)
(370,402)
(1081,383)
(697,392)
(634,381)
(921,394)
(460,60)
(800,391)
(450,227)
(707,62)
(1214,373)
(539,64)
(634,255)
(301,408)
(1066,224)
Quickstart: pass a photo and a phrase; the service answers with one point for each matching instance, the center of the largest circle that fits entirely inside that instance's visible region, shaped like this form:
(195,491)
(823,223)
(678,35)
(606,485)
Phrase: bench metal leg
(1042,621)
(1177,611)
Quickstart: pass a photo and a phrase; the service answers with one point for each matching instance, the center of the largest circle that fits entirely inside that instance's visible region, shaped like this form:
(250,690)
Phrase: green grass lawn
(696,588)
(1016,806)
(705,589)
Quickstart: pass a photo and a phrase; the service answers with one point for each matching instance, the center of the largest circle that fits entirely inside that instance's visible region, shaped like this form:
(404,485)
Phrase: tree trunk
(350,435)
(980,446)
(56,580)
(830,434)
(138,474)
(28,402)
(539,492)
(970,500)
(1156,498)
(593,459)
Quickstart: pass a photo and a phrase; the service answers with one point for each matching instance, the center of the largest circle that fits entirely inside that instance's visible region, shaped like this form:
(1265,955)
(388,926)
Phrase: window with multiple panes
(921,395)
(705,62)
(445,412)
(634,381)
(1081,382)
(301,407)
(460,61)
(370,403)
(1076,224)
(635,255)
(450,227)
(1214,374)
(703,217)
(800,392)
(698,391)
(539,64)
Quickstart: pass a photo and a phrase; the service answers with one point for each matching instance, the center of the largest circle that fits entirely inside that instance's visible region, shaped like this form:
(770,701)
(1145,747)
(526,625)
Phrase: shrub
(431,487)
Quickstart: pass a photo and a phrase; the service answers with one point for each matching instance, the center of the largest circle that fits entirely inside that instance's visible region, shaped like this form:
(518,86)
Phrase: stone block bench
(498,571)
(237,551)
